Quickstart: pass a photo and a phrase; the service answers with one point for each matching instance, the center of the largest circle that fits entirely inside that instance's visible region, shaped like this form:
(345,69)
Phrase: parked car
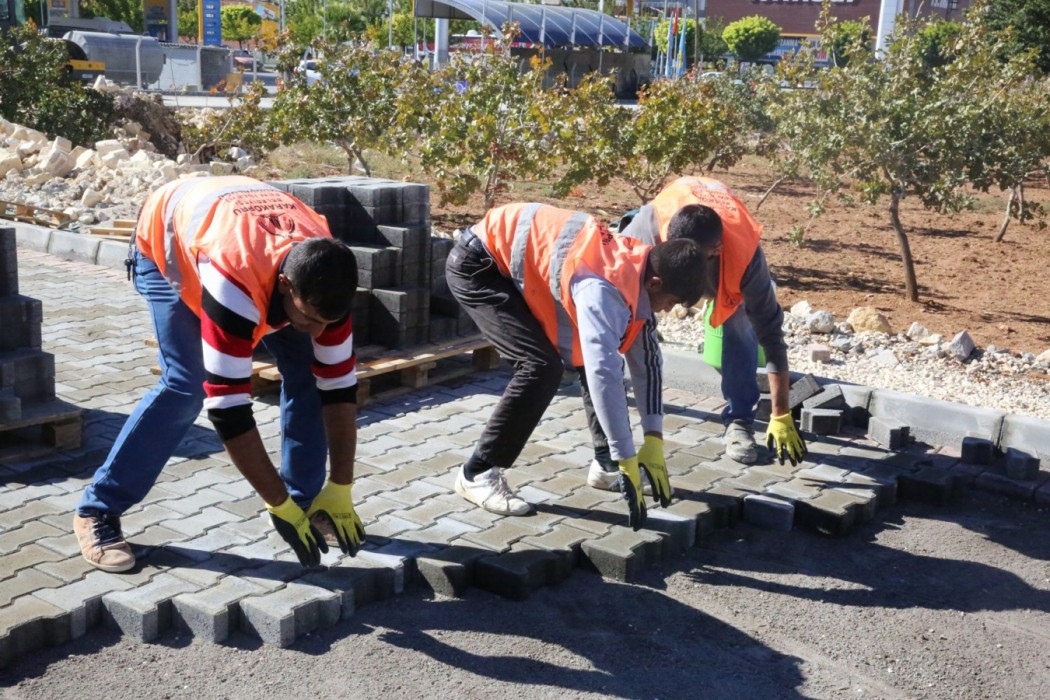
(310,70)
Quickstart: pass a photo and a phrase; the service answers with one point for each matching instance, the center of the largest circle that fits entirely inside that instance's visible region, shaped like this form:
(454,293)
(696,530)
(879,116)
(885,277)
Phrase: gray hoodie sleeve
(764,312)
(602,316)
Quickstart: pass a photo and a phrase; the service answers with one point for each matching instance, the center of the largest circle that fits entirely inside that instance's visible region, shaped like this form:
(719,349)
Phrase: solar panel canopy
(549,26)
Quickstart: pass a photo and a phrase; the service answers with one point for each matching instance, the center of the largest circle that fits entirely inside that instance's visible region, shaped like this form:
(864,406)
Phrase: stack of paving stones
(211,564)
(402,299)
(27,373)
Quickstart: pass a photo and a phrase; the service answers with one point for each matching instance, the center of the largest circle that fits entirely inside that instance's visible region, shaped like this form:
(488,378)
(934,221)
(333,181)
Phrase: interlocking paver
(145,612)
(28,556)
(284,615)
(213,612)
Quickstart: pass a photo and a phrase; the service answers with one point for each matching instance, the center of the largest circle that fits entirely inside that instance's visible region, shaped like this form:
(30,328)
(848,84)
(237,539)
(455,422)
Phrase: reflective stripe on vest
(740,233)
(540,244)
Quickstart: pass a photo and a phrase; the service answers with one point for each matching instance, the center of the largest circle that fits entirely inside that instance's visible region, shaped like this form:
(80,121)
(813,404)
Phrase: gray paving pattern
(210,562)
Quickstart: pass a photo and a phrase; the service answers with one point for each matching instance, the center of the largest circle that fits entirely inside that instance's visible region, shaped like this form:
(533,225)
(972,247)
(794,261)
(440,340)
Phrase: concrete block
(976,450)
(281,617)
(74,246)
(36,238)
(828,513)
(450,571)
(936,422)
(889,432)
(1026,433)
(933,485)
(1004,485)
(29,624)
(830,398)
(515,574)
(112,254)
(769,512)
(212,613)
(818,352)
(623,553)
(762,376)
(764,409)
(679,530)
(1021,465)
(10,407)
(145,612)
(8,261)
(822,421)
(82,599)
(801,389)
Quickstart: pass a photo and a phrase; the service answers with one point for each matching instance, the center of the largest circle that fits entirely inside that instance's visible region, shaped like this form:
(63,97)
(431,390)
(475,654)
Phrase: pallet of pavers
(389,372)
(32,420)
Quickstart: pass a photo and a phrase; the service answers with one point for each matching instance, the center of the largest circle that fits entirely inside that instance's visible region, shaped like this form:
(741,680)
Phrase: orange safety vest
(540,248)
(740,233)
(243,226)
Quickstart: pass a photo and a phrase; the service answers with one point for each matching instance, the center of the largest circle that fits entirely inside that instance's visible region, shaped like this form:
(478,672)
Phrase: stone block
(145,612)
(1026,433)
(830,398)
(977,450)
(997,483)
(888,432)
(213,613)
(764,409)
(450,571)
(523,569)
(1021,465)
(281,617)
(769,512)
(936,422)
(822,421)
(74,246)
(801,389)
(623,553)
(933,485)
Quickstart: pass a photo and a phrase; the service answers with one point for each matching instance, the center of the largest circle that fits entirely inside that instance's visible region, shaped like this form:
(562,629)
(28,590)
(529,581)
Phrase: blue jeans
(739,359)
(164,415)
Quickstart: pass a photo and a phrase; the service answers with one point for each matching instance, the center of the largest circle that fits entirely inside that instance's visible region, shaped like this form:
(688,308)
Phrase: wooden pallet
(385,372)
(43,428)
(32,214)
(118,228)
(382,372)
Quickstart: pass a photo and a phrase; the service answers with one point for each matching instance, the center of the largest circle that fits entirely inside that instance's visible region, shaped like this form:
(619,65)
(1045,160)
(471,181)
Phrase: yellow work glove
(651,459)
(292,524)
(335,505)
(782,437)
(631,488)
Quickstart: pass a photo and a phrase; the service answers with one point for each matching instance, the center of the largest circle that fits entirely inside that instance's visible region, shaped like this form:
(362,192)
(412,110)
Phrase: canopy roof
(551,26)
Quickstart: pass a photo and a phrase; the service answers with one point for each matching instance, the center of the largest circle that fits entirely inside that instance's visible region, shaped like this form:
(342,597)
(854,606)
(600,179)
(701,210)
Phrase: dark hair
(680,265)
(697,222)
(323,273)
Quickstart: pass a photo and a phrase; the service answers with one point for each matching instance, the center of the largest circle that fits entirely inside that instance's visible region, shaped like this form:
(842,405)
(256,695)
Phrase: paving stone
(830,397)
(30,624)
(564,539)
(801,389)
(1021,465)
(82,600)
(829,513)
(27,557)
(516,573)
(281,617)
(679,531)
(701,513)
(212,613)
(14,539)
(623,553)
(769,512)
(1002,484)
(821,421)
(977,450)
(145,612)
(933,485)
(450,571)
(67,568)
(386,572)
(25,582)
(499,537)
(888,432)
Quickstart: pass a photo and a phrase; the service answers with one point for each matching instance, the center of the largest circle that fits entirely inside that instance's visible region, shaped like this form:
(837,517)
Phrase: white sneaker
(491,491)
(598,478)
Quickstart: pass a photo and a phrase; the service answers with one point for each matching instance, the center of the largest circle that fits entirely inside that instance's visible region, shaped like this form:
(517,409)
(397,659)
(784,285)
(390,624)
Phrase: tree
(712,45)
(482,129)
(403,31)
(846,37)
(356,103)
(895,128)
(128,11)
(751,38)
(1029,25)
(690,37)
(240,23)
(189,20)
(938,41)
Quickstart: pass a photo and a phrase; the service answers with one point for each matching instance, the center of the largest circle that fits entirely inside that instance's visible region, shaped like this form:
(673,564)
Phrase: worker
(225,263)
(745,306)
(552,288)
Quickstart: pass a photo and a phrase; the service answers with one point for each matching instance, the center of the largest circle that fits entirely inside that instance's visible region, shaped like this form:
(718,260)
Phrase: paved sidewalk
(210,562)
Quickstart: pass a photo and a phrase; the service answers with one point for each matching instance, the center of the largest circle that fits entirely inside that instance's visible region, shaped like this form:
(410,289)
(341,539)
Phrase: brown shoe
(102,542)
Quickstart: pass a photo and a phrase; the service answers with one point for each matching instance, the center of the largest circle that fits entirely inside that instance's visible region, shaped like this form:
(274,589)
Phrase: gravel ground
(923,602)
(990,377)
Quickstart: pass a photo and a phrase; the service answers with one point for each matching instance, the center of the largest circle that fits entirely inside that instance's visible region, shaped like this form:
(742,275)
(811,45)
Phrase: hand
(292,524)
(336,506)
(631,488)
(651,460)
(782,437)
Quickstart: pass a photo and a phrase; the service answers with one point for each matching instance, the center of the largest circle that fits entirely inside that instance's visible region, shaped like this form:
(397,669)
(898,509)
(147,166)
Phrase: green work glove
(292,524)
(782,437)
(651,459)
(631,488)
(335,505)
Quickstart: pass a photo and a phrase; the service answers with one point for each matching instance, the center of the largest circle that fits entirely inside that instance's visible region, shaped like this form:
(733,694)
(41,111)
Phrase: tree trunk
(1006,218)
(911,287)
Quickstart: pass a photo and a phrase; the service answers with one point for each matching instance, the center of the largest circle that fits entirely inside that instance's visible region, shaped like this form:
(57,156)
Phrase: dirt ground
(922,602)
(999,292)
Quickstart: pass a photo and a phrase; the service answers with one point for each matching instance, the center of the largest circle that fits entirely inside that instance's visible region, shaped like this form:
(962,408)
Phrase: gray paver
(282,616)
